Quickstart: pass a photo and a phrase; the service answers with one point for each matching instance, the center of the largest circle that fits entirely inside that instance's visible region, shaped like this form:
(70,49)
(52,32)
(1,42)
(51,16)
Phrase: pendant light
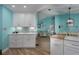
(70,20)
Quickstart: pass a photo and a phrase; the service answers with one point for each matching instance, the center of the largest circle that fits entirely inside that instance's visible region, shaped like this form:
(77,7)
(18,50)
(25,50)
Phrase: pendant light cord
(69,12)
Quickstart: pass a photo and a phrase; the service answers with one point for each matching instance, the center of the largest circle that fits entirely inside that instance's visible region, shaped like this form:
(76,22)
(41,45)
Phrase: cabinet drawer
(72,43)
(70,51)
(29,43)
(72,38)
(12,40)
(12,44)
(19,44)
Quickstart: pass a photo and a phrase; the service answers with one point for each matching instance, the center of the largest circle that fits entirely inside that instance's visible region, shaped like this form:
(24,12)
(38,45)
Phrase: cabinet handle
(75,45)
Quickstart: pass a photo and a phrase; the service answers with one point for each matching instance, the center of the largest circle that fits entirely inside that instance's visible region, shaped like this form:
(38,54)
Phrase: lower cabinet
(70,51)
(68,46)
(71,48)
(30,41)
(22,40)
(56,46)
(71,45)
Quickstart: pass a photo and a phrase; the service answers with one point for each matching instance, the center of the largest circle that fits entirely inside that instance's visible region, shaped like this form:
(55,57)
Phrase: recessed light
(25,6)
(13,6)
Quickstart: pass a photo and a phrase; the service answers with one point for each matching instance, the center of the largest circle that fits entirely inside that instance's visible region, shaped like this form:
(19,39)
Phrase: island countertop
(23,33)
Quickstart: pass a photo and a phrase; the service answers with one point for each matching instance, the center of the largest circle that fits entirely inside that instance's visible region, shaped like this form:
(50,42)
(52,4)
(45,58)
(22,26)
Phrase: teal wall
(0,26)
(6,25)
(46,22)
(62,21)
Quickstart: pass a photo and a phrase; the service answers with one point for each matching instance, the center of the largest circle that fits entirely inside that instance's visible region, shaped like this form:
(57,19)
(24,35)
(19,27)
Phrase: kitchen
(37,29)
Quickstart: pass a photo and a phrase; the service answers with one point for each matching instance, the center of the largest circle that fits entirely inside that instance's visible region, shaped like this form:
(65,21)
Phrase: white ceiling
(60,9)
(43,8)
(19,8)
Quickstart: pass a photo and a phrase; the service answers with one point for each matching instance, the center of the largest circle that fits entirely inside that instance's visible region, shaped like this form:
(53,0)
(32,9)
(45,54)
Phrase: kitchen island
(22,40)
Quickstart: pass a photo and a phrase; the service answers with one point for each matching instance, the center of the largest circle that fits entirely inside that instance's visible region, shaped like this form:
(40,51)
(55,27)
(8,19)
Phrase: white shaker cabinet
(71,45)
(56,46)
(29,40)
(22,40)
(12,41)
(68,46)
(28,18)
(18,19)
(21,19)
(15,41)
(19,41)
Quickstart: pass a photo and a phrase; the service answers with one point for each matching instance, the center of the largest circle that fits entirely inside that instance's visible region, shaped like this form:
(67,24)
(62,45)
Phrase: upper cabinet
(20,19)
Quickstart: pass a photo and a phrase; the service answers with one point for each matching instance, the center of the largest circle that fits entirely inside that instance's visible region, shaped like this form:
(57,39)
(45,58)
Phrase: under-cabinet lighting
(19,28)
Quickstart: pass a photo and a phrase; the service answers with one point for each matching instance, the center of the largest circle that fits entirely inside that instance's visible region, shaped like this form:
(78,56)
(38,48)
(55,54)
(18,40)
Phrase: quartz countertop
(64,37)
(69,33)
(24,33)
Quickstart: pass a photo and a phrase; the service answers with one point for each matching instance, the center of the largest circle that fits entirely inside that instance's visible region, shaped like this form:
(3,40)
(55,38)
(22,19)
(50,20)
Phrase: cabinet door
(12,41)
(32,21)
(16,41)
(15,20)
(19,40)
(18,20)
(71,47)
(56,46)
(68,50)
(27,18)
(13,44)
(32,40)
(28,41)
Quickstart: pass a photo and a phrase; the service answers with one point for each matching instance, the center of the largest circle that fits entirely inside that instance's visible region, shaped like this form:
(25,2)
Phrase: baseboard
(5,50)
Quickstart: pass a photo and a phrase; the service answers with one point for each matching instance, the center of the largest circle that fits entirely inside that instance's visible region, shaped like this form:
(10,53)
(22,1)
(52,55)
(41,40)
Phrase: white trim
(5,50)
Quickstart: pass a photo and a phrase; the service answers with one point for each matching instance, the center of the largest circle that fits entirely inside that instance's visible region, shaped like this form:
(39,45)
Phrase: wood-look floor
(28,51)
